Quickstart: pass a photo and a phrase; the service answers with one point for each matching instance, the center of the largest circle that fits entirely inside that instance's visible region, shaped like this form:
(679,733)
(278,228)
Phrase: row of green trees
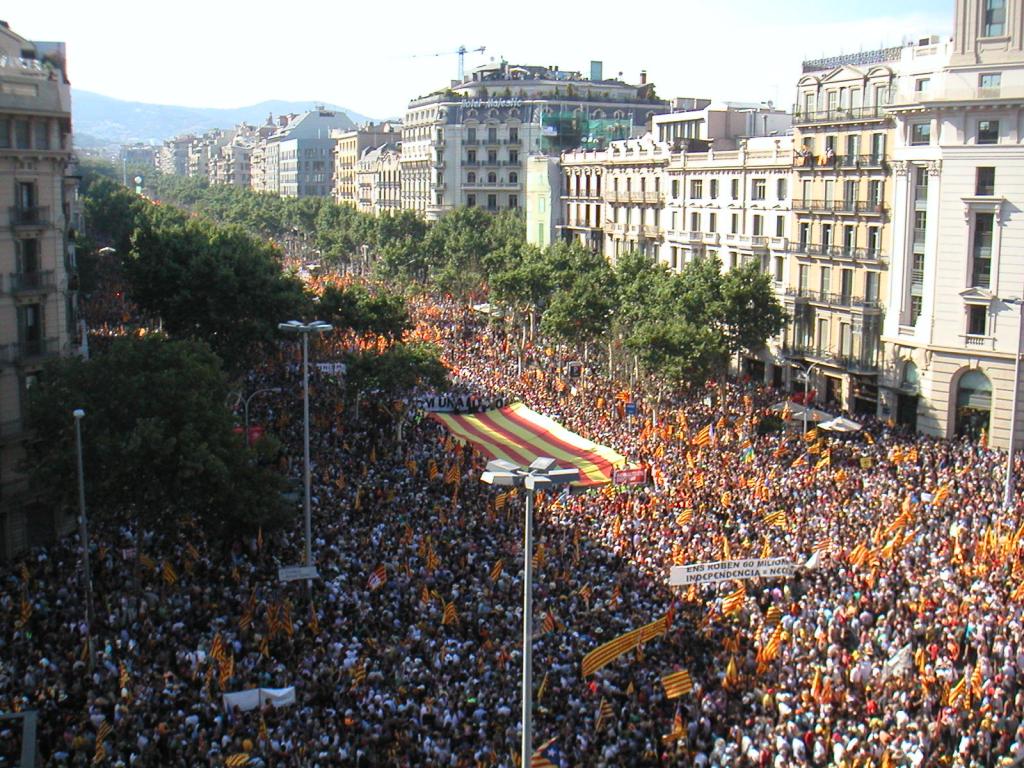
(681,327)
(160,441)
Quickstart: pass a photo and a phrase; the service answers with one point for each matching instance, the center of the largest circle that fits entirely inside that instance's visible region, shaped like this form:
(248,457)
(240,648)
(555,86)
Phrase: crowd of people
(898,642)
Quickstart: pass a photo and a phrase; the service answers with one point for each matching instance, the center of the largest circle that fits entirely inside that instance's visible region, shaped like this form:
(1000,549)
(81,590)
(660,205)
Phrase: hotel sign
(487,103)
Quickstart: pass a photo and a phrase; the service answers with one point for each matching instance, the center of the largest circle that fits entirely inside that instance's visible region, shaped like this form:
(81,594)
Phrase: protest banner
(724,570)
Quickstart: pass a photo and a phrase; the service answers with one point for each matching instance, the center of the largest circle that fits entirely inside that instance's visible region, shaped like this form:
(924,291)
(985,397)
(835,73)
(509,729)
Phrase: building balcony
(646,197)
(31,282)
(855,207)
(31,352)
(838,115)
(840,253)
(30,217)
(649,230)
(748,242)
(842,300)
(779,244)
(848,363)
(513,142)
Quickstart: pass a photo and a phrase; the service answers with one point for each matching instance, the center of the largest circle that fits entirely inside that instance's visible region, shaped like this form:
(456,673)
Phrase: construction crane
(461,51)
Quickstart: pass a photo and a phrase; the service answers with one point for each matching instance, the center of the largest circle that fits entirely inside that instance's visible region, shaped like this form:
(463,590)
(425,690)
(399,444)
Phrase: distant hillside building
(172,159)
(379,180)
(468,144)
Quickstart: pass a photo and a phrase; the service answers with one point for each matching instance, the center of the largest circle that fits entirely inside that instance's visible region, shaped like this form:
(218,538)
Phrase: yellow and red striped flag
(378,578)
(496,569)
(169,575)
(733,602)
(677,684)
(237,760)
(451,616)
(605,713)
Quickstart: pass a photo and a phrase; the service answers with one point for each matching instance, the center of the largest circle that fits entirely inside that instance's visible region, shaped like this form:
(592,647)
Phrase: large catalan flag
(520,435)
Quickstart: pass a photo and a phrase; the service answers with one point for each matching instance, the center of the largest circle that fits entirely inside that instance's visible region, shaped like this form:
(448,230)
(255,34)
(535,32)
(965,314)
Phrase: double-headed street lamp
(245,408)
(83,533)
(541,473)
(806,375)
(294,326)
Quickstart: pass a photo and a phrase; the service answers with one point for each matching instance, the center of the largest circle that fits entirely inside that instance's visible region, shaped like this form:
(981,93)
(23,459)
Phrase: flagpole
(83,532)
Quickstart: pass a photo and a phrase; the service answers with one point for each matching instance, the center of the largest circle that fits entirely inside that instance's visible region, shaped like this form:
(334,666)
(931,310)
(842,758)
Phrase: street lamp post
(245,408)
(541,473)
(294,326)
(83,533)
(806,373)
(1008,487)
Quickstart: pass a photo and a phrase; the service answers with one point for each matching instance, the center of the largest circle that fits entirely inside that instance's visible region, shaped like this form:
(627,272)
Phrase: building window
(988,131)
(471,201)
(804,275)
(513,156)
(922,84)
(985,182)
(826,279)
(780,226)
(758,225)
(989,83)
(779,266)
(734,223)
(757,189)
(513,202)
(977,319)
(981,263)
(513,178)
(470,178)
(713,189)
(492,202)
(696,189)
(21,134)
(995,17)
(921,133)
(735,189)
(492,178)
(492,135)
(471,157)
(712,222)
(675,189)
(695,222)
(492,156)
(471,135)
(781,189)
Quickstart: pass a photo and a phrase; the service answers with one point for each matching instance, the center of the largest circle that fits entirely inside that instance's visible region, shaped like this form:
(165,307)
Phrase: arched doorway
(973,404)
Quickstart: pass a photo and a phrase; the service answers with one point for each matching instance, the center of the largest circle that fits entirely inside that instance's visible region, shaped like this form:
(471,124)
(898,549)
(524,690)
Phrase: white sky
(220,53)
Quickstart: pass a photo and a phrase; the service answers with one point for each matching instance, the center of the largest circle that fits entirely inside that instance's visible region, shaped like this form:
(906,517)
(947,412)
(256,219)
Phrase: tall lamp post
(83,533)
(541,473)
(245,408)
(294,326)
(1008,487)
(806,374)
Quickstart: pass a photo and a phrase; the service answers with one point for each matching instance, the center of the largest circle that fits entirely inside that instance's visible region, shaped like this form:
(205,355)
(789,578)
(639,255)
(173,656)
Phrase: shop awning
(520,435)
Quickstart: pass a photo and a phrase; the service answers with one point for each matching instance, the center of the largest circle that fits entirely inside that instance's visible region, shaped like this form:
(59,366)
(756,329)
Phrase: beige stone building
(38,191)
(378,180)
(841,224)
(349,147)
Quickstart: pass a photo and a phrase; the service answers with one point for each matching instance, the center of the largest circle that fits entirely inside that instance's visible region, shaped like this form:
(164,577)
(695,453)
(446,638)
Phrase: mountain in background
(101,120)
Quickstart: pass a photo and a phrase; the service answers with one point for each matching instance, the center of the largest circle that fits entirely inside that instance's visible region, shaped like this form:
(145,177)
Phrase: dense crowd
(898,643)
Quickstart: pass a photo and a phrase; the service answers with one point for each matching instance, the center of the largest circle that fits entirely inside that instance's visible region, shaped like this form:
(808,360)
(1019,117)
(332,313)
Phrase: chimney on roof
(5,25)
(643,77)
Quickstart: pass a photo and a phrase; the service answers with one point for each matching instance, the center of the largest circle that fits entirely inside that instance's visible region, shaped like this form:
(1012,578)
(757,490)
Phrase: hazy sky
(360,54)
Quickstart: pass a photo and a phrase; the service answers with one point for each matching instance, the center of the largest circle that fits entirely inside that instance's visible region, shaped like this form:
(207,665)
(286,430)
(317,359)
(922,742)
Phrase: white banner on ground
(724,570)
(255,698)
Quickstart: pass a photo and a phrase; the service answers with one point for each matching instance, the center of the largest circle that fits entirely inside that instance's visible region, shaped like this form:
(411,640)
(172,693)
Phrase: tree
(158,441)
(364,312)
(395,371)
(214,283)
(581,307)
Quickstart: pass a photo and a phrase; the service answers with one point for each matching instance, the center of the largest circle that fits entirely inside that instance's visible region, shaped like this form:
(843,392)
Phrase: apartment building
(843,133)
(468,144)
(378,180)
(349,147)
(38,189)
(722,123)
(173,157)
(298,159)
(952,332)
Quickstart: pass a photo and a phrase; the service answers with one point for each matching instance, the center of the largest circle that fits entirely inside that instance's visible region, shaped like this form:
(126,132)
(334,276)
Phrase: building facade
(38,199)
(953,330)
(467,145)
(349,147)
(173,157)
(298,159)
(378,180)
